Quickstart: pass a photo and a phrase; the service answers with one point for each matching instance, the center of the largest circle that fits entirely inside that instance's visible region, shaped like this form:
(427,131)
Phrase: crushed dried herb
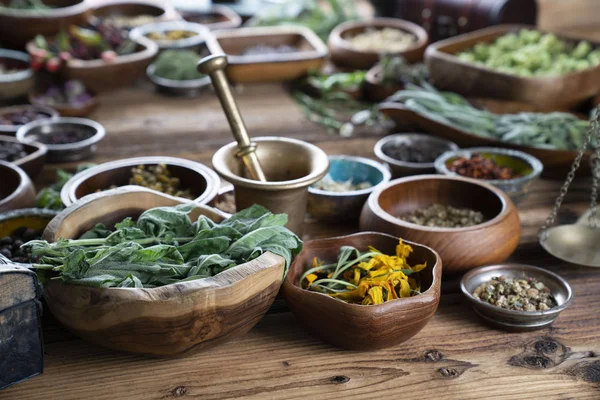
(444,217)
(527,294)
(366,278)
(328,184)
(480,167)
(158,177)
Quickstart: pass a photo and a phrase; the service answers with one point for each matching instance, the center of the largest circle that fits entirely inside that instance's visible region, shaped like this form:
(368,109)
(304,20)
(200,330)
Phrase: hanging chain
(593,132)
(595,173)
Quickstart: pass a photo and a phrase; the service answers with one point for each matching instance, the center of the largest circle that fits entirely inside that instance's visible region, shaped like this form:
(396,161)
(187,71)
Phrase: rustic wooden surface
(454,357)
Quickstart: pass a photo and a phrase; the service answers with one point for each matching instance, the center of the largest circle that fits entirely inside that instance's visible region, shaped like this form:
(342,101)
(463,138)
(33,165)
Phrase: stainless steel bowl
(193,42)
(33,131)
(338,206)
(187,88)
(18,83)
(404,168)
(512,319)
(531,168)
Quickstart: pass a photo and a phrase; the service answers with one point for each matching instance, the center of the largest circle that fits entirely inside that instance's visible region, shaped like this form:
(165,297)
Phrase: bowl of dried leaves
(364,291)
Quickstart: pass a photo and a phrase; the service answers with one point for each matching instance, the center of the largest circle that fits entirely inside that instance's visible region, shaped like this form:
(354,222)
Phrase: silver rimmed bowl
(515,320)
(18,83)
(193,42)
(191,87)
(329,205)
(36,130)
(401,168)
(526,166)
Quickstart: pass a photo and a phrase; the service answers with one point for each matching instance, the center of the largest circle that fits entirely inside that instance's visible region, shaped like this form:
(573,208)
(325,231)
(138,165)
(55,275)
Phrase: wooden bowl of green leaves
(174,73)
(142,272)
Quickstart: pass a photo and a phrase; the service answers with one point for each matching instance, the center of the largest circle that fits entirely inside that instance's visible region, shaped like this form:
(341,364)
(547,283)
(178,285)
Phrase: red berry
(37,64)
(53,64)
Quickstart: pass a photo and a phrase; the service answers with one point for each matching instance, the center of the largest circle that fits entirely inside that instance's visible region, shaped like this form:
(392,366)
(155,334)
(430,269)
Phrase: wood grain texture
(561,92)
(167,320)
(454,357)
(461,249)
(354,326)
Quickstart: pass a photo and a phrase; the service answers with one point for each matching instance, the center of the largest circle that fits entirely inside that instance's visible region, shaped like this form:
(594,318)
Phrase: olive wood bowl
(354,326)
(16,190)
(34,161)
(12,129)
(461,249)
(164,321)
(201,180)
(344,55)
(17,27)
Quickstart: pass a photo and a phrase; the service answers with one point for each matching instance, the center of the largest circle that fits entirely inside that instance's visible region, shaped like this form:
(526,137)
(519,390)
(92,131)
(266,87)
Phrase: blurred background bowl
(338,206)
(526,166)
(16,190)
(36,130)
(15,84)
(24,113)
(35,157)
(201,33)
(216,17)
(189,88)
(420,141)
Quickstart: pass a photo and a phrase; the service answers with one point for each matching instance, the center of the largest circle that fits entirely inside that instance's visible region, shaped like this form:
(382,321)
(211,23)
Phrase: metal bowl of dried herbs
(516,297)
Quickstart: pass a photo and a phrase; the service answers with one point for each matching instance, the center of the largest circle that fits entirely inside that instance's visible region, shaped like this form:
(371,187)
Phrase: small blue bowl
(344,206)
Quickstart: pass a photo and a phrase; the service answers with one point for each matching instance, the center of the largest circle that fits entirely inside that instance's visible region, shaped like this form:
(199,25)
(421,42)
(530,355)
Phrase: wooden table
(454,357)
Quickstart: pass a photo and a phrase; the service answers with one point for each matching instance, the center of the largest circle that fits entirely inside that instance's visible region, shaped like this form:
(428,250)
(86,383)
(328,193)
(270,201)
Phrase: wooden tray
(556,162)
(269,67)
(561,92)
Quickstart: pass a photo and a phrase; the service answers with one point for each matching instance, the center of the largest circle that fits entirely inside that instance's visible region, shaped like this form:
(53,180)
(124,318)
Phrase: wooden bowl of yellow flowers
(364,291)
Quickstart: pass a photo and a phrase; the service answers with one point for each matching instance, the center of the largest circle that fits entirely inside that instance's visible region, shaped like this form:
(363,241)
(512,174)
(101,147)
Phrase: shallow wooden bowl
(17,27)
(34,218)
(164,321)
(562,92)
(354,326)
(67,110)
(375,89)
(161,12)
(344,55)
(202,182)
(461,249)
(34,161)
(275,67)
(216,17)
(16,189)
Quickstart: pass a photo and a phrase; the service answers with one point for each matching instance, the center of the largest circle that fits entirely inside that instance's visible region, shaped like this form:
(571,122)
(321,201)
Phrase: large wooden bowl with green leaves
(166,320)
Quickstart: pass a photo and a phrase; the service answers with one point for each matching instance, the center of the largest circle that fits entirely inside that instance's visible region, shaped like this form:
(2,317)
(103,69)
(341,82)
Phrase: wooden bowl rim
(233,19)
(68,196)
(52,114)
(373,203)
(37,150)
(319,48)
(428,295)
(121,3)
(336,38)
(24,181)
(61,108)
(52,14)
(436,50)
(265,261)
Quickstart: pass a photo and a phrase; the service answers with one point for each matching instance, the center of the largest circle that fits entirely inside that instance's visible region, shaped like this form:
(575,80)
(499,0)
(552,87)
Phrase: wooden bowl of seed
(468,222)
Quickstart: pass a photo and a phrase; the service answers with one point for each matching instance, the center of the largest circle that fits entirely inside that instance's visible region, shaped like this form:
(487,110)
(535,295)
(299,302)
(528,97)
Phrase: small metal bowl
(529,167)
(32,132)
(325,205)
(11,130)
(18,83)
(193,42)
(187,88)
(404,168)
(512,319)
(224,192)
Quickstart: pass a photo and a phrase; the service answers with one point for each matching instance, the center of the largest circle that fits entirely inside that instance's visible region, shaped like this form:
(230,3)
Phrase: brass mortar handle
(214,66)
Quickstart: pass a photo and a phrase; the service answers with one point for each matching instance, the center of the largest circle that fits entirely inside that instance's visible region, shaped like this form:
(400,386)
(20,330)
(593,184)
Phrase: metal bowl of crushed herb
(66,138)
(341,194)
(510,170)
(174,72)
(173,34)
(516,297)
(411,153)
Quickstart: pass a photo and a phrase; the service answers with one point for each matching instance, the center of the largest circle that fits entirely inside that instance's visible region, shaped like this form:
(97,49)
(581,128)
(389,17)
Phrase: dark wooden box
(21,345)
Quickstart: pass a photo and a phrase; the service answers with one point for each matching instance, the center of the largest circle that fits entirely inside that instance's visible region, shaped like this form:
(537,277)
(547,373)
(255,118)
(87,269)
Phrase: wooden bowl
(375,89)
(12,129)
(16,84)
(461,249)
(17,27)
(67,110)
(216,17)
(275,67)
(163,321)
(556,162)
(33,163)
(16,190)
(201,180)
(354,326)
(100,76)
(343,54)
(161,11)
(562,92)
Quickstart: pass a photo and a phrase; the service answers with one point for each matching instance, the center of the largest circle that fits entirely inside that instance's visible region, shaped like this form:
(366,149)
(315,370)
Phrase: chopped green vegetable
(164,246)
(179,65)
(49,197)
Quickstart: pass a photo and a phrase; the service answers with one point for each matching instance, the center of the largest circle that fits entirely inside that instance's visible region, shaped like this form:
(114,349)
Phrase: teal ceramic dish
(340,206)
(526,166)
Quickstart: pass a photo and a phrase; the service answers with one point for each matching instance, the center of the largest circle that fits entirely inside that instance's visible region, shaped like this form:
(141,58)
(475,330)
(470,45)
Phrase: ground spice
(444,217)
(516,294)
(66,136)
(479,167)
(413,152)
(10,151)
(10,245)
